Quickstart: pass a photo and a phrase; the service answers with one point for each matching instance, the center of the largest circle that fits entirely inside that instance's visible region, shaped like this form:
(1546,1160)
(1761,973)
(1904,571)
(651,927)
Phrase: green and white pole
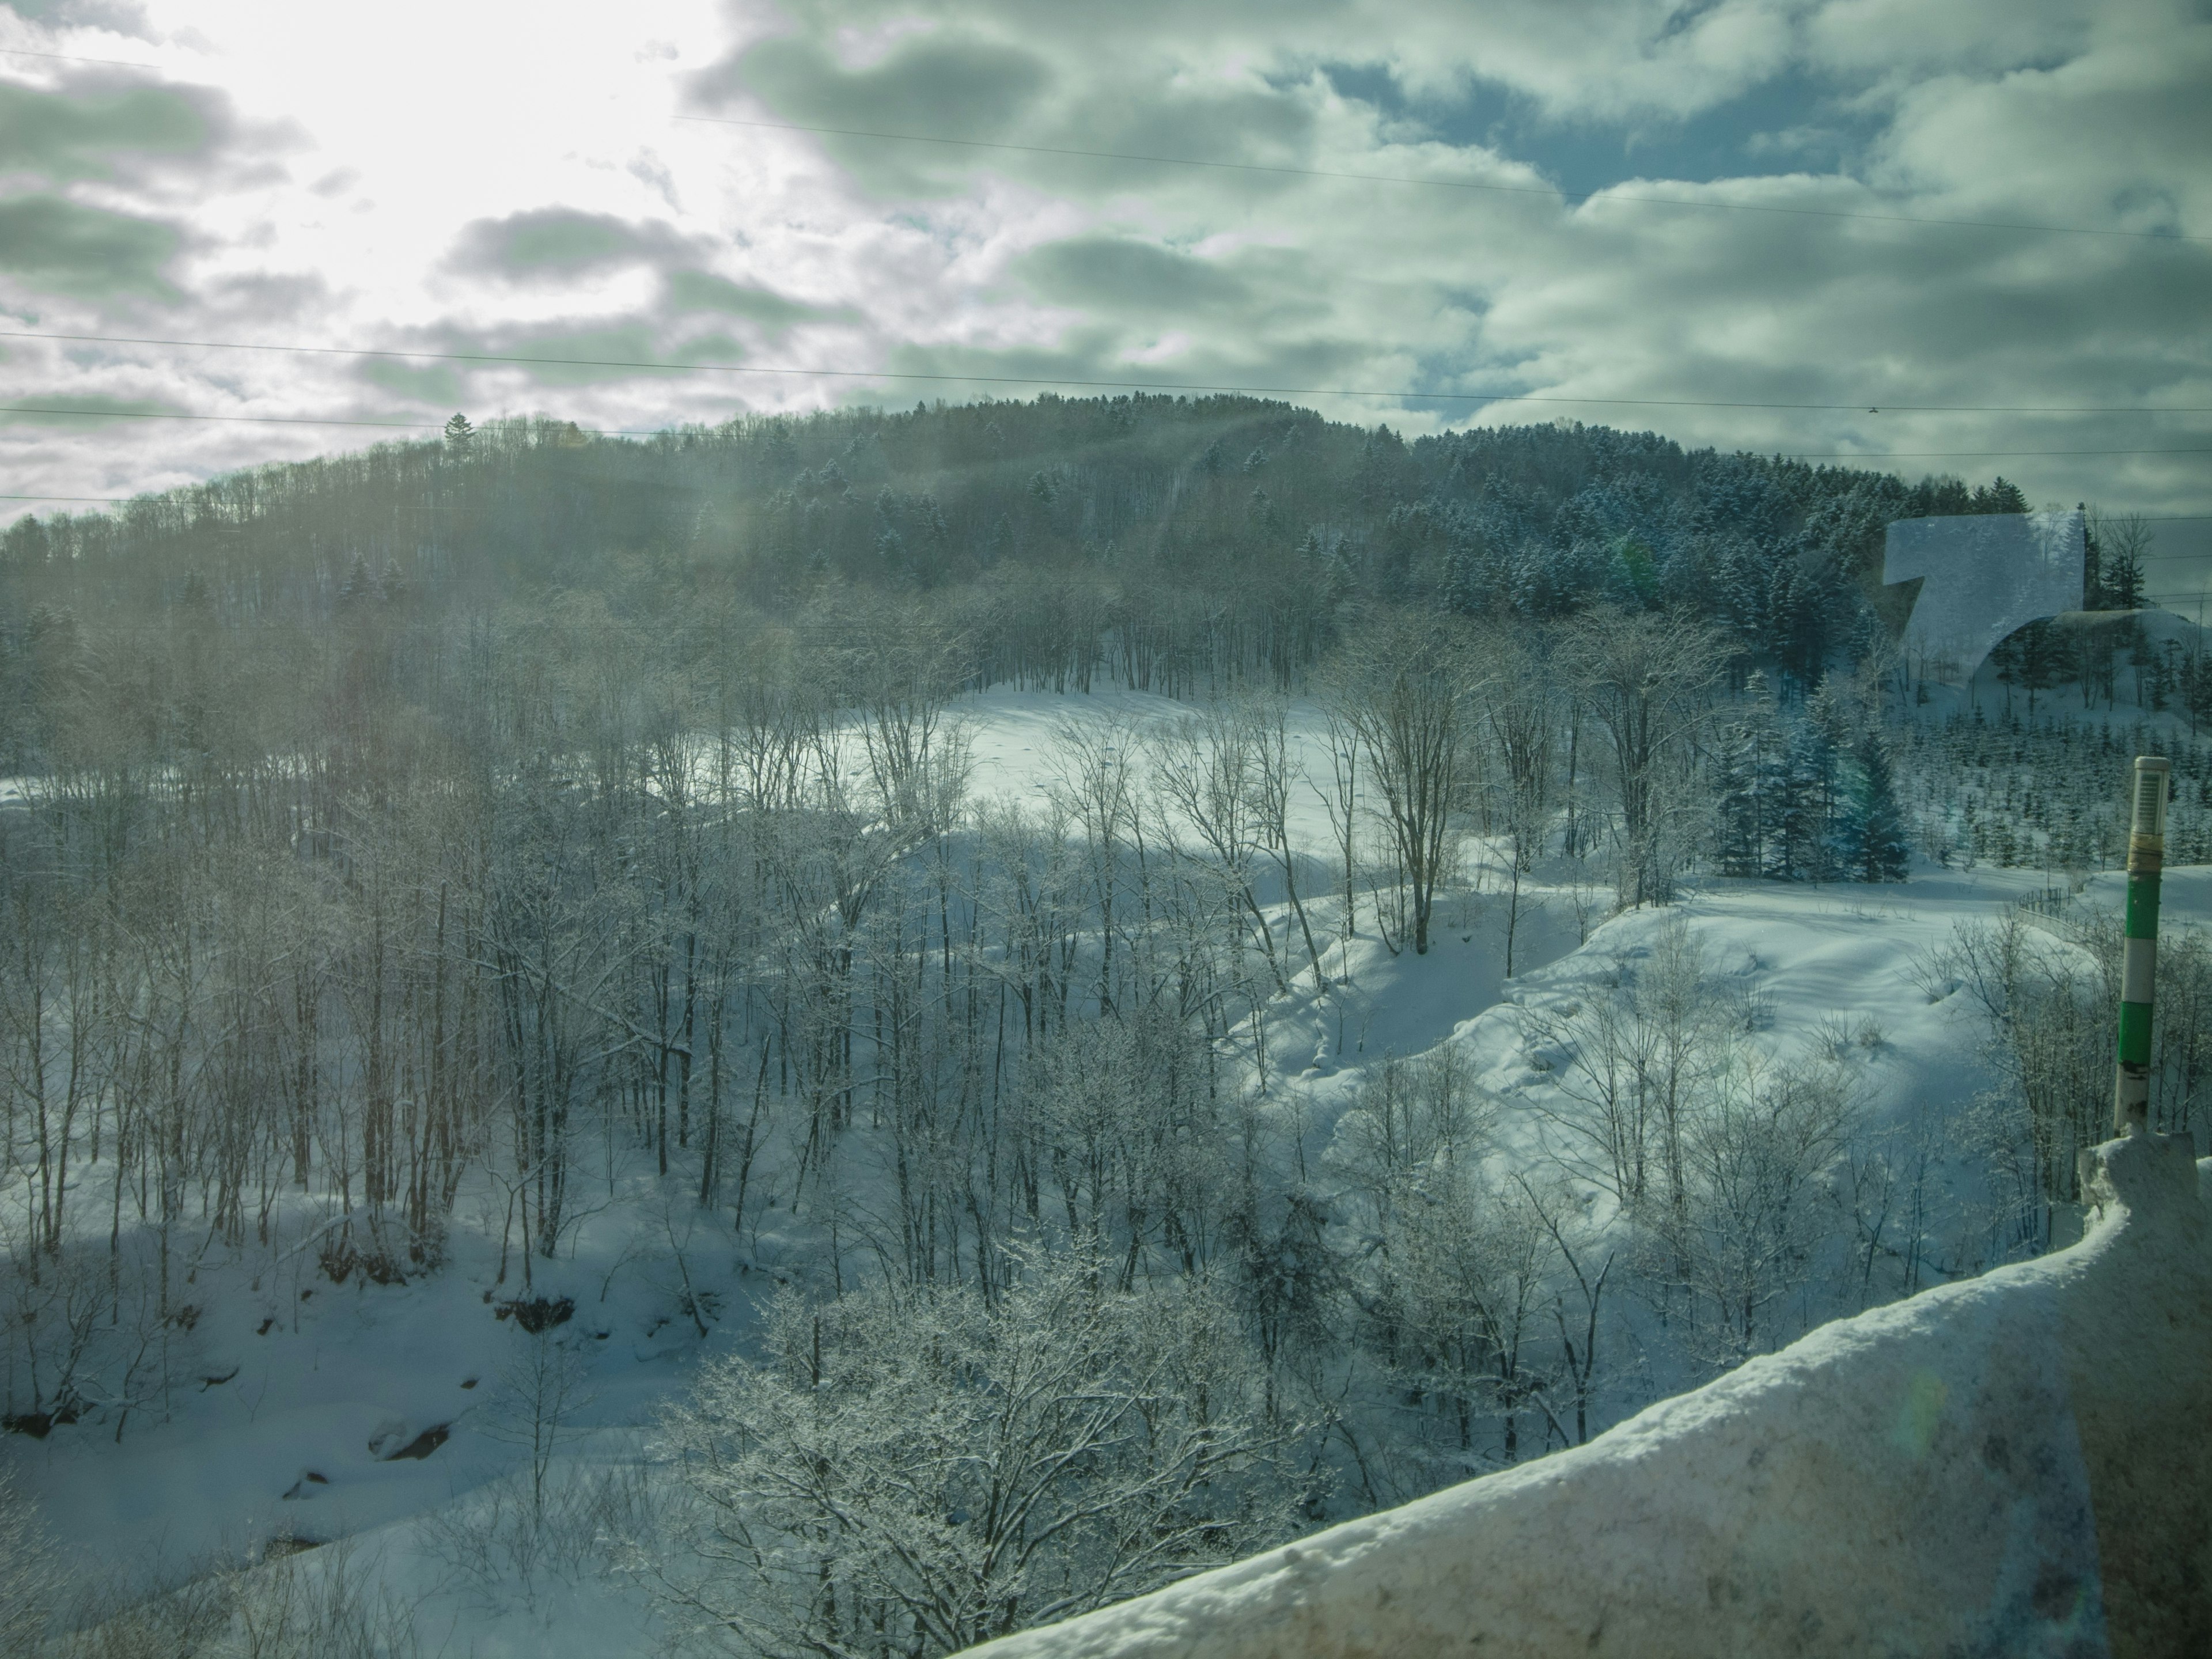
(2146,855)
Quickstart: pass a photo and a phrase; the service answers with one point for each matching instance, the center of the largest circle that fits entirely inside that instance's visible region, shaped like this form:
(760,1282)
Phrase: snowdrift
(2012,1465)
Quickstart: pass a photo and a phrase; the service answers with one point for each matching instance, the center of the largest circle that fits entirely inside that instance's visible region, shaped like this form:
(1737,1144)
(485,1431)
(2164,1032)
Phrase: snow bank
(2014,1465)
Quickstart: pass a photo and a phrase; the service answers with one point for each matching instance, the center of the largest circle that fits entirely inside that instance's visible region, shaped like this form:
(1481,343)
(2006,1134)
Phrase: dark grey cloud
(119,15)
(62,136)
(701,290)
(951,81)
(55,245)
(437,384)
(947,83)
(957,84)
(1119,275)
(557,242)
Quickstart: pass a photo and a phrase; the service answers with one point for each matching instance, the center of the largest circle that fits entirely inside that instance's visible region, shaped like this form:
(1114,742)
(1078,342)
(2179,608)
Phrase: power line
(65,57)
(1241,388)
(1442,183)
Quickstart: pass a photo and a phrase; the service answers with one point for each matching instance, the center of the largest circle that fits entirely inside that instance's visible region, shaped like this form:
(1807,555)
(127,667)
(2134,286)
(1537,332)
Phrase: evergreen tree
(1809,793)
(1800,851)
(2001,496)
(1750,749)
(2124,580)
(1869,836)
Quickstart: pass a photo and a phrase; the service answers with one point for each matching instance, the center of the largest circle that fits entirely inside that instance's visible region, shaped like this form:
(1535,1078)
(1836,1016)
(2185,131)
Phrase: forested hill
(1171,541)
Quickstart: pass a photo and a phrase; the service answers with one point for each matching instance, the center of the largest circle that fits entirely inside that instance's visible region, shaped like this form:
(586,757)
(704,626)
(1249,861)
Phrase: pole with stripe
(2146,855)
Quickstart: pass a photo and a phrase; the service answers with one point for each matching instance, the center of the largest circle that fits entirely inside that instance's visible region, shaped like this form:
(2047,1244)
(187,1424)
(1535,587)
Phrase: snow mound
(1986,1468)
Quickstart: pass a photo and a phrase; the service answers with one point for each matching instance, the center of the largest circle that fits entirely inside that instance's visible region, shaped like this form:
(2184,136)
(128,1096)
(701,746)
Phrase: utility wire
(65,57)
(1241,389)
(1445,184)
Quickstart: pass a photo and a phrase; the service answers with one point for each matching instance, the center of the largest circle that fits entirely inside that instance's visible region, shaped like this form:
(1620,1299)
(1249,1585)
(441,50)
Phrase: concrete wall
(2020,1465)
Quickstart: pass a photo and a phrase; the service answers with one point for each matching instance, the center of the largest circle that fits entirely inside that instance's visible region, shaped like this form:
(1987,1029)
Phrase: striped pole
(2146,854)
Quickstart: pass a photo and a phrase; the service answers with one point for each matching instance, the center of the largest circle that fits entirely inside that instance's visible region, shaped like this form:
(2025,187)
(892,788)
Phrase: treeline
(1174,544)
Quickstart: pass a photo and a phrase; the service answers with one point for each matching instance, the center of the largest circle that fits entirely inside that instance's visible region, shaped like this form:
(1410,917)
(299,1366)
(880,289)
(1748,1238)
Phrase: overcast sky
(476,176)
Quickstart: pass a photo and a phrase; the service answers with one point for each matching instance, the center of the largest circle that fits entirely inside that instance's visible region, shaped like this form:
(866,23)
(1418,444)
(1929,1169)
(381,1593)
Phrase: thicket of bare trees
(2043,988)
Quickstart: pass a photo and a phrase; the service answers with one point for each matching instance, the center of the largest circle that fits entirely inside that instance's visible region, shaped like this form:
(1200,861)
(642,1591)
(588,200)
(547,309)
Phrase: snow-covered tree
(908,1471)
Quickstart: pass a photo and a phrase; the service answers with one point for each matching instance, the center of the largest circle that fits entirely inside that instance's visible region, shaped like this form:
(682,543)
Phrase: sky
(1718,220)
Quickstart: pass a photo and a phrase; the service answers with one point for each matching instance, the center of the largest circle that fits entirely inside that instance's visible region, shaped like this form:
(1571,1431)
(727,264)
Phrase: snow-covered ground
(305,1389)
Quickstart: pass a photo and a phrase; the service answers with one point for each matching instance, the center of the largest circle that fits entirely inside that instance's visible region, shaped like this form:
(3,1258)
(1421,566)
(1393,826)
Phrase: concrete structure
(2017,1465)
(1981,576)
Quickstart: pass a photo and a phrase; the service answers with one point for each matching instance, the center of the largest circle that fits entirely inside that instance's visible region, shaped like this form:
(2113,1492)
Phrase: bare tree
(1202,767)
(1645,680)
(1401,685)
(1342,801)
(910,1476)
(1520,712)
(1274,777)
(1463,1285)
(1747,1235)
(1631,1057)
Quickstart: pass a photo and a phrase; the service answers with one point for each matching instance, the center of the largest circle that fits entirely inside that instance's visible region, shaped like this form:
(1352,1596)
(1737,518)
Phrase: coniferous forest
(411,859)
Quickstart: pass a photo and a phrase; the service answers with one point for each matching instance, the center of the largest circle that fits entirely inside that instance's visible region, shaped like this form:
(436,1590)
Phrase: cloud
(701,290)
(56,246)
(1118,275)
(922,80)
(118,15)
(559,242)
(435,384)
(62,136)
